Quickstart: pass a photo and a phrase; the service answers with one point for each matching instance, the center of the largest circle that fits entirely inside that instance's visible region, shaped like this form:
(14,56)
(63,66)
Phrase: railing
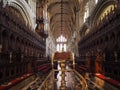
(82,80)
(44,85)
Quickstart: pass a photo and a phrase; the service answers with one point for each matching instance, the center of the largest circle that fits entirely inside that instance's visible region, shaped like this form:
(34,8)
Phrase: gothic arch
(25,11)
(101,8)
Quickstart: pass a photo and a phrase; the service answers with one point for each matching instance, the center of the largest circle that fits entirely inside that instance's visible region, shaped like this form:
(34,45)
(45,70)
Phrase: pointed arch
(24,9)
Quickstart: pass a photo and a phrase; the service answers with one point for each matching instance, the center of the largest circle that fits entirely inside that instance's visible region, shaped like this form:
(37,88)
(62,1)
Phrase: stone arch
(84,30)
(103,7)
(25,11)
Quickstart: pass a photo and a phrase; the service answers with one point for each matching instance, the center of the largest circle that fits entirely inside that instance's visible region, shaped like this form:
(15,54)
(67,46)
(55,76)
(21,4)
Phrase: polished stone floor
(71,81)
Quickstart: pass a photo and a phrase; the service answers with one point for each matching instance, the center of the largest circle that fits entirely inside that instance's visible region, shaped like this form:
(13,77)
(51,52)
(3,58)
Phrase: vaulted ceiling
(62,15)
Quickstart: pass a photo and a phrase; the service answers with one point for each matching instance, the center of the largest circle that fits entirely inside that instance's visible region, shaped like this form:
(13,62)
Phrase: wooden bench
(109,80)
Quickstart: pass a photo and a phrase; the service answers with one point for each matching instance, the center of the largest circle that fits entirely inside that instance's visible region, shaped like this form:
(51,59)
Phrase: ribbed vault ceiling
(62,16)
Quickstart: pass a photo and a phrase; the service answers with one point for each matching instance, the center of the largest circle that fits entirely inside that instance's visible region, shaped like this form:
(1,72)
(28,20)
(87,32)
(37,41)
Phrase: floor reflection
(70,80)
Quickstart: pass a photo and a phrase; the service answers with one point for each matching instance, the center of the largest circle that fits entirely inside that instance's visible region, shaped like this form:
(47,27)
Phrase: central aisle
(70,78)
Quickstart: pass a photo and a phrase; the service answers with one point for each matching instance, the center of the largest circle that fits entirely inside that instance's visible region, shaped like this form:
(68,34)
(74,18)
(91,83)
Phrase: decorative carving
(15,39)
(103,35)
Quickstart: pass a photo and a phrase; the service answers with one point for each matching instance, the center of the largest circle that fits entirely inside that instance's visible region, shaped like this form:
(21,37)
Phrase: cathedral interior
(59,44)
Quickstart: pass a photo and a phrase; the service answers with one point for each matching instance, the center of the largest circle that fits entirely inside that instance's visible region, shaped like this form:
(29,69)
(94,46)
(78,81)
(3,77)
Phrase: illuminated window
(61,39)
(58,47)
(62,43)
(96,1)
(64,47)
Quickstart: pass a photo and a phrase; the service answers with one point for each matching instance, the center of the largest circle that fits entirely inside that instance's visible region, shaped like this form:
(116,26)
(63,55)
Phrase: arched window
(61,46)
(61,39)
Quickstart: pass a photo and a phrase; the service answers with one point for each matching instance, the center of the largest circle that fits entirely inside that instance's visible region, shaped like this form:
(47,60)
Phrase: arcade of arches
(35,34)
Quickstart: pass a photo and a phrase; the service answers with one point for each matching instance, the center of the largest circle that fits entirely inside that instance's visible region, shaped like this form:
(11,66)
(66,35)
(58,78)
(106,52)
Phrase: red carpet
(14,82)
